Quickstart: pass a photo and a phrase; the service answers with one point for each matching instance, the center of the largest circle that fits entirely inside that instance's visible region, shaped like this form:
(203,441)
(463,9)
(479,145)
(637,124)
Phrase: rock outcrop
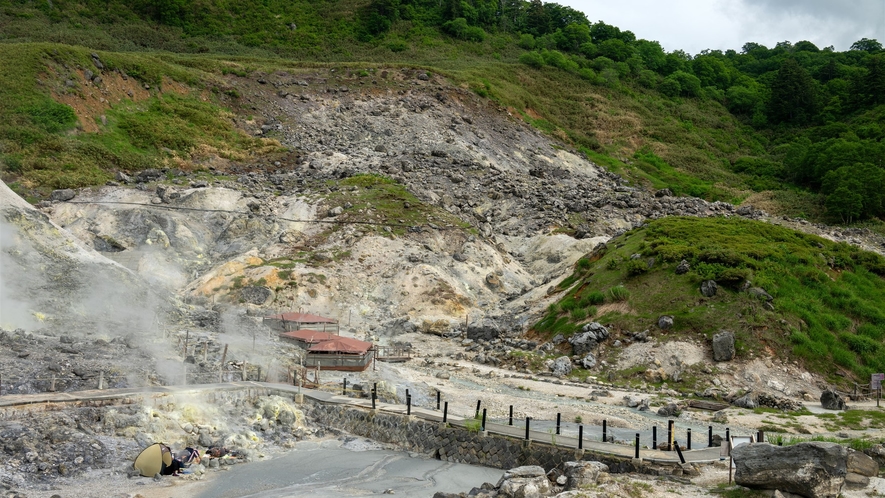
(814,469)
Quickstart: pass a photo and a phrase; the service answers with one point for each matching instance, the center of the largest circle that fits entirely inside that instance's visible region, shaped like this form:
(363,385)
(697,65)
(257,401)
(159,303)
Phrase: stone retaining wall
(454,444)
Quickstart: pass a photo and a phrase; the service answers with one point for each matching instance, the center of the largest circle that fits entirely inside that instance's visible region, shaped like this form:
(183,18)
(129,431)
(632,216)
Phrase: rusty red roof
(340,344)
(302,318)
(309,336)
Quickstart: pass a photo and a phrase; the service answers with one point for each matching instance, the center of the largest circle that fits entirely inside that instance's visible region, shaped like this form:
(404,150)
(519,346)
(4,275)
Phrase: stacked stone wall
(455,444)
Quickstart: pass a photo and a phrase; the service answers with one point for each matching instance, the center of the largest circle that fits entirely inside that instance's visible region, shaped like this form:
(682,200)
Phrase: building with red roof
(341,353)
(306,337)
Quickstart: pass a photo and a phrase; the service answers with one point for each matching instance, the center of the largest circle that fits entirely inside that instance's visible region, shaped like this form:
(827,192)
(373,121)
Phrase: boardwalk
(705,455)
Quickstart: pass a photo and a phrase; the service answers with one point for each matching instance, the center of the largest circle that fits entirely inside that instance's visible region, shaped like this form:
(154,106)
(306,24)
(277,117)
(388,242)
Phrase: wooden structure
(286,322)
(393,354)
(707,405)
(340,353)
(306,337)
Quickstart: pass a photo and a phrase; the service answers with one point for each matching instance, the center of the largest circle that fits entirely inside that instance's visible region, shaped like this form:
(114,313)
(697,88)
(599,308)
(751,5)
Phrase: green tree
(866,45)
(793,94)
(845,203)
(689,84)
(874,81)
(652,54)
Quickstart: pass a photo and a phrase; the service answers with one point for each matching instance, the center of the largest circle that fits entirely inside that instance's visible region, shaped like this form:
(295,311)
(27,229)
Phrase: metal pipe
(688,439)
(483,419)
(408,404)
(445,412)
(654,437)
(604,438)
(344,390)
(580,437)
(511,415)
(709,436)
(527,421)
(478,402)
(438,396)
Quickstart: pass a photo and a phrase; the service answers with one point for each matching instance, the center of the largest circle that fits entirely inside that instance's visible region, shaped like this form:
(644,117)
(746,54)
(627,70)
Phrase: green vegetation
(800,121)
(383,206)
(44,144)
(825,298)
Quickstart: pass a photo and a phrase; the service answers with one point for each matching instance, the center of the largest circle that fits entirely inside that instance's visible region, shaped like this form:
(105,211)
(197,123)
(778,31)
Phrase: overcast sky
(695,25)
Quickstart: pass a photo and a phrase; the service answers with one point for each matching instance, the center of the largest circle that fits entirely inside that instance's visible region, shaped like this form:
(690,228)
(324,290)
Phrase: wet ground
(334,469)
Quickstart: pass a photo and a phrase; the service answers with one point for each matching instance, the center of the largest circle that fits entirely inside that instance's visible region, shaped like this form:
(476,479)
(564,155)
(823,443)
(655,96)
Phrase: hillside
(711,125)
(522,144)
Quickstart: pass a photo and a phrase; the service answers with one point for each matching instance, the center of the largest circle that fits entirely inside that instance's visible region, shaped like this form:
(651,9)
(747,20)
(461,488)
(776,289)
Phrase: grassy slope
(686,144)
(827,301)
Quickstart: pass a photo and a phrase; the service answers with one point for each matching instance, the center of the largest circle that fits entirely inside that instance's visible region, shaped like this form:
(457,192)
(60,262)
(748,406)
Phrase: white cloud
(695,25)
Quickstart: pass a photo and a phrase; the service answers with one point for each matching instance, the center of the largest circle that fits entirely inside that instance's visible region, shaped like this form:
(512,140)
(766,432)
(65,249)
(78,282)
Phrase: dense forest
(811,118)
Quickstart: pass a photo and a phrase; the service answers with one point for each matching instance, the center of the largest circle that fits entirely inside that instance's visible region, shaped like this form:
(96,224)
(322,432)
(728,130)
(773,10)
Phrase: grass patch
(826,302)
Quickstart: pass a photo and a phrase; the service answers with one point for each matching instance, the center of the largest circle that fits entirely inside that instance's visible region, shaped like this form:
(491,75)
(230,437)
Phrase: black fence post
(670,435)
(604,438)
(637,446)
(709,436)
(445,411)
(374,397)
(760,437)
(727,439)
(654,437)
(511,414)
(344,390)
(478,402)
(438,396)
(580,437)
(483,419)
(688,439)
(408,404)
(558,418)
(527,421)
(679,452)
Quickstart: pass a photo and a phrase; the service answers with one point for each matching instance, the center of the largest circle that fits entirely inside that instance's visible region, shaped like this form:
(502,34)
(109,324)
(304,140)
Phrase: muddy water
(330,469)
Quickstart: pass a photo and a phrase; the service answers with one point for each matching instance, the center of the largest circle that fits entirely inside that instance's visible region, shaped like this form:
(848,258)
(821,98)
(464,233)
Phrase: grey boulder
(529,481)
(831,400)
(561,366)
(709,288)
(813,469)
(723,346)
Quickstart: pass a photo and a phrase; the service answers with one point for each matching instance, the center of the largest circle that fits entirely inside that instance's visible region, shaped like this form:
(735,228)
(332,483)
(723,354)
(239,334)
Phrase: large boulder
(588,338)
(709,288)
(831,400)
(485,330)
(723,346)
(529,481)
(814,469)
(561,366)
(860,468)
(579,475)
(62,194)
(256,294)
